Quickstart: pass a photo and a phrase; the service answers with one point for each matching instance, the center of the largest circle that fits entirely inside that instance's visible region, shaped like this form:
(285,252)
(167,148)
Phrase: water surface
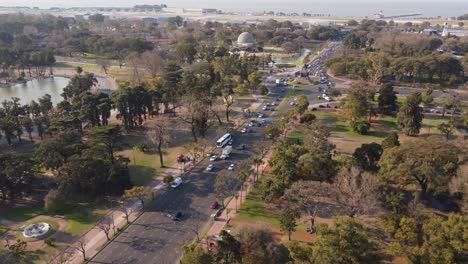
(32,90)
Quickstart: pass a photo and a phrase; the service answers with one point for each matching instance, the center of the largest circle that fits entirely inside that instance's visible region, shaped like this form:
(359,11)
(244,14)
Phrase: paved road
(154,238)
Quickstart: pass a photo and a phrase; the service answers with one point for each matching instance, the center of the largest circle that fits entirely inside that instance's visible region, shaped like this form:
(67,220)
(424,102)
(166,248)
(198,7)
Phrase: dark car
(175,216)
(241,147)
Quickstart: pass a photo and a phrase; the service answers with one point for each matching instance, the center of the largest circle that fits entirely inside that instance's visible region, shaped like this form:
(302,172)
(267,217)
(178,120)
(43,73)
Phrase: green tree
(300,253)
(109,137)
(391,141)
(195,254)
(387,99)
(357,106)
(347,242)
(288,222)
(302,103)
(17,173)
(446,129)
(228,249)
(409,117)
(257,245)
(429,163)
(140,193)
(368,155)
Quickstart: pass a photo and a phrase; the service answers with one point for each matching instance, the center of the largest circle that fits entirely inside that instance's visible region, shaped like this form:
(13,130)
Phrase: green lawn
(80,216)
(3,229)
(254,210)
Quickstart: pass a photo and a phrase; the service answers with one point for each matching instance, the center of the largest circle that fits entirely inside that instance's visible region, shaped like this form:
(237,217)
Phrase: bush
(307,117)
(361,127)
(54,201)
(263,90)
(168,179)
(142,147)
(49,242)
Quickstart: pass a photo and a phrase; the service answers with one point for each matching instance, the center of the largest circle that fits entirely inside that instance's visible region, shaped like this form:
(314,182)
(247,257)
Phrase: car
(278,99)
(292,103)
(213,158)
(265,107)
(263,121)
(210,167)
(231,167)
(251,124)
(214,205)
(175,216)
(176,182)
(272,104)
(260,115)
(243,130)
(230,142)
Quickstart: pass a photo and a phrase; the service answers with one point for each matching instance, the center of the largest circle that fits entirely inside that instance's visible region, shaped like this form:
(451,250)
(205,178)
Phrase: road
(153,237)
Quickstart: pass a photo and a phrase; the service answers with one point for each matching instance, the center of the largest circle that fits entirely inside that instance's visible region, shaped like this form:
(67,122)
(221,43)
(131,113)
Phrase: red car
(214,205)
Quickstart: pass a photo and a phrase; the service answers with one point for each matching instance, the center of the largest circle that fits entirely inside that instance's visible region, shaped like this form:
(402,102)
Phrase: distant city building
(245,42)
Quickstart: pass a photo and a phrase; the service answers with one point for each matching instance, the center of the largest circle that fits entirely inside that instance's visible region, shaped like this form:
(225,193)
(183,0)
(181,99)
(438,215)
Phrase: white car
(251,124)
(327,98)
(292,103)
(260,116)
(176,182)
(243,130)
(231,167)
(210,167)
(213,158)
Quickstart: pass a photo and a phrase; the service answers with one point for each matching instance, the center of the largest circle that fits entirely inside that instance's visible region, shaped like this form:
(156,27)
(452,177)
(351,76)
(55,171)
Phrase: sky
(353,7)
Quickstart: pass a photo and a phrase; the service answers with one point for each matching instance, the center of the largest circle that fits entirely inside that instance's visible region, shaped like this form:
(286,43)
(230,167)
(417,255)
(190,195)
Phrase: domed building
(245,42)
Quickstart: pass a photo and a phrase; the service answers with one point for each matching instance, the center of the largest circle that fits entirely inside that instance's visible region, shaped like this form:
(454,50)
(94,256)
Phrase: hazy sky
(338,7)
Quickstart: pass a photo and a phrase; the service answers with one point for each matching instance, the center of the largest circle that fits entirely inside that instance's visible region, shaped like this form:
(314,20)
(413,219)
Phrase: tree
(431,239)
(410,116)
(357,191)
(55,152)
(347,242)
(368,155)
(195,254)
(17,171)
(228,249)
(391,141)
(257,245)
(387,99)
(105,225)
(108,136)
(316,166)
(311,197)
(54,201)
(302,103)
(126,211)
(81,247)
(307,118)
(158,136)
(357,105)
(446,129)
(225,185)
(141,193)
(299,252)
(257,162)
(288,221)
(429,163)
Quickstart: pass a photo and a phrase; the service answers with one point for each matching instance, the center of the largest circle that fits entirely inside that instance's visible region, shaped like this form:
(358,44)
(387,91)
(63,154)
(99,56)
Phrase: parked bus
(223,140)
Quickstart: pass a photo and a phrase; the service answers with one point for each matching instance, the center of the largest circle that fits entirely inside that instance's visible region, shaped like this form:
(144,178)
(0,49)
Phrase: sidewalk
(222,220)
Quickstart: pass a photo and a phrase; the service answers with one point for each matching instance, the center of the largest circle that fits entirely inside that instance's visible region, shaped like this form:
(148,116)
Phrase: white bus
(223,140)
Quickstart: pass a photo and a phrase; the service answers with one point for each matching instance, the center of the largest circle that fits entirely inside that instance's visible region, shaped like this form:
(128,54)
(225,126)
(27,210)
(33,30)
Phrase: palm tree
(257,161)
(243,176)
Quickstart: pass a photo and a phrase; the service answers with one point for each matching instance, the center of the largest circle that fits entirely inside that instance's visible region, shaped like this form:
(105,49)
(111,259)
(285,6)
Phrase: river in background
(33,90)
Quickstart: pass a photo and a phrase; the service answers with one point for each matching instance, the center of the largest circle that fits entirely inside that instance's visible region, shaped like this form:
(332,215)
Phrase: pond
(293,60)
(33,90)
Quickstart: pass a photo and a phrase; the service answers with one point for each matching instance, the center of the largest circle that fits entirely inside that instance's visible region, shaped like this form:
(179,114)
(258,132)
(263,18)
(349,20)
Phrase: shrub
(307,117)
(54,201)
(49,241)
(361,127)
(168,179)
(142,147)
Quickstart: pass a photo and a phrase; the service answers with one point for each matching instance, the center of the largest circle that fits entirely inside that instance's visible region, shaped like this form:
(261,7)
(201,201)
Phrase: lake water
(32,90)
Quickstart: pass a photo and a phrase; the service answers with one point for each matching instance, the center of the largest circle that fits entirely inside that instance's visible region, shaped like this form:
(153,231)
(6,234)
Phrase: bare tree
(311,197)
(62,258)
(152,62)
(126,211)
(225,186)
(104,65)
(106,226)
(356,191)
(134,62)
(158,136)
(81,247)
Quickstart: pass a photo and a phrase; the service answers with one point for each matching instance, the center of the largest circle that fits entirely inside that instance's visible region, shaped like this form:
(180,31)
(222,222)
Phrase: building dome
(246,39)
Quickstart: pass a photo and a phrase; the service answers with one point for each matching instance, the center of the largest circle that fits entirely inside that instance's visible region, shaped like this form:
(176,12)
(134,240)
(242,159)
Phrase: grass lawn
(254,210)
(80,216)
(119,74)
(145,166)
(3,229)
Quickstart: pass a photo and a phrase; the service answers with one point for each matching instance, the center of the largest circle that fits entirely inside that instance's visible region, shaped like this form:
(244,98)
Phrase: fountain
(36,230)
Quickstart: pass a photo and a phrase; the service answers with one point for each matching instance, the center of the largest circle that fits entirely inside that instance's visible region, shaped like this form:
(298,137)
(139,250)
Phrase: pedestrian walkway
(230,212)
